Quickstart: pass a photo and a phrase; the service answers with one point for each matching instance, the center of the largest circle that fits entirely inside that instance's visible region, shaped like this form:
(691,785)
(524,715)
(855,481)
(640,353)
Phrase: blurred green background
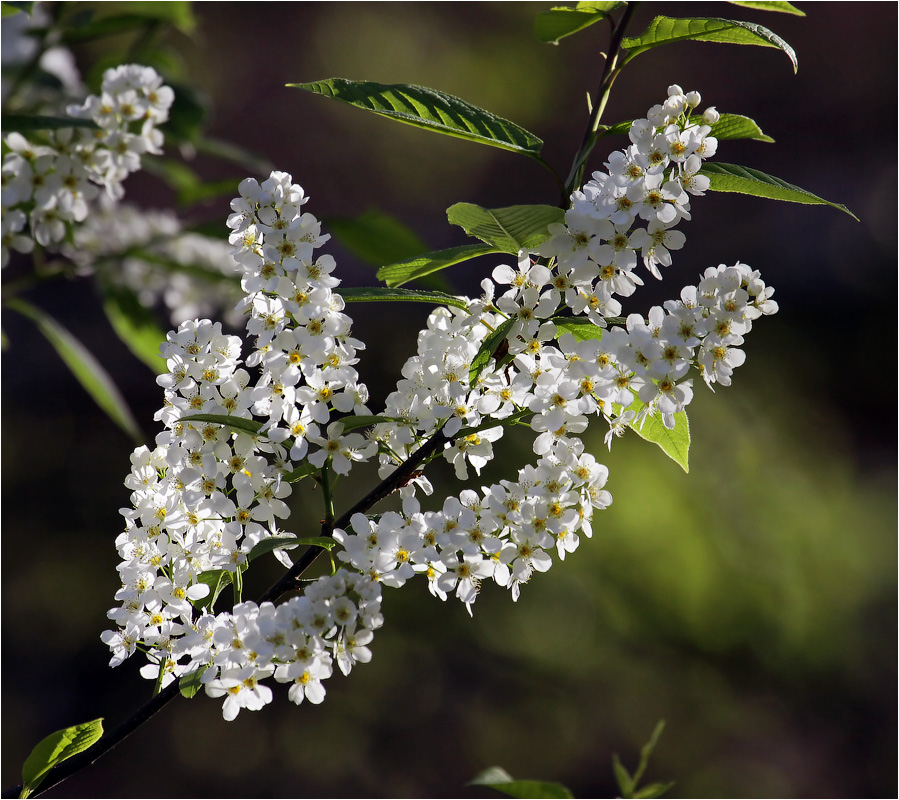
(751,603)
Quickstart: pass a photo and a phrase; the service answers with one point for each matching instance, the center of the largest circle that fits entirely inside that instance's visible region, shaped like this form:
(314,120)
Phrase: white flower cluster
(47,186)
(543,353)
(136,248)
(206,495)
(650,182)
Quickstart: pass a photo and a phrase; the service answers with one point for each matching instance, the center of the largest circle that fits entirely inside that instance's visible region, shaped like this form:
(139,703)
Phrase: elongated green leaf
(745,180)
(772,5)
(405,271)
(557,23)
(353,294)
(11,8)
(274,543)
(736,126)
(729,126)
(55,748)
(189,685)
(84,366)
(579,327)
(134,325)
(508,229)
(33,122)
(487,349)
(665,30)
(237,424)
(675,443)
(428,109)
(653,790)
(353,422)
(305,470)
(500,780)
(216,580)
(622,777)
(376,237)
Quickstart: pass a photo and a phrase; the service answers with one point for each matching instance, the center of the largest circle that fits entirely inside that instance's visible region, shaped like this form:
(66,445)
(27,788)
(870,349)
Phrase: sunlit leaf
(675,443)
(487,350)
(665,30)
(134,324)
(500,780)
(356,421)
(772,5)
(508,229)
(428,109)
(84,366)
(216,580)
(11,8)
(419,266)
(557,23)
(189,685)
(736,126)
(353,294)
(744,180)
(55,748)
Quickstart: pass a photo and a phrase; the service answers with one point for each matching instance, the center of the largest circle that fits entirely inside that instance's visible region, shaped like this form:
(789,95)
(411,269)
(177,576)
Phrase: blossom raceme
(242,428)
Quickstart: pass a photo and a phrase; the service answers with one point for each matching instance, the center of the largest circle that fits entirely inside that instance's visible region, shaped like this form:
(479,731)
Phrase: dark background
(751,603)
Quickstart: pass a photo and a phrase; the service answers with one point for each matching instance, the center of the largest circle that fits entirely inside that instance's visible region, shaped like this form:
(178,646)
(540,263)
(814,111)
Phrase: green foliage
(84,366)
(629,784)
(216,580)
(736,126)
(497,778)
(236,424)
(354,421)
(55,748)
(675,443)
(770,5)
(419,266)
(378,294)
(744,180)
(134,325)
(665,30)
(189,685)
(377,238)
(579,327)
(487,350)
(557,23)
(507,229)
(11,8)
(428,109)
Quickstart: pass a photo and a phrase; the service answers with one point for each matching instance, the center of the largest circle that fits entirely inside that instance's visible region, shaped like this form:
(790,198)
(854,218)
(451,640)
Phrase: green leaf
(237,424)
(273,543)
(487,349)
(353,294)
(744,180)
(761,5)
(735,126)
(405,271)
(428,109)
(579,327)
(622,777)
(190,685)
(654,790)
(675,443)
(508,229)
(376,237)
(353,422)
(24,123)
(55,748)
(500,780)
(216,580)
(134,325)
(10,8)
(557,23)
(664,30)
(305,470)
(84,366)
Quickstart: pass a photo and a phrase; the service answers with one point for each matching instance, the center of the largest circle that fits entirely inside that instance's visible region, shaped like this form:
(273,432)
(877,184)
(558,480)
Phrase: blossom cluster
(49,185)
(546,352)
